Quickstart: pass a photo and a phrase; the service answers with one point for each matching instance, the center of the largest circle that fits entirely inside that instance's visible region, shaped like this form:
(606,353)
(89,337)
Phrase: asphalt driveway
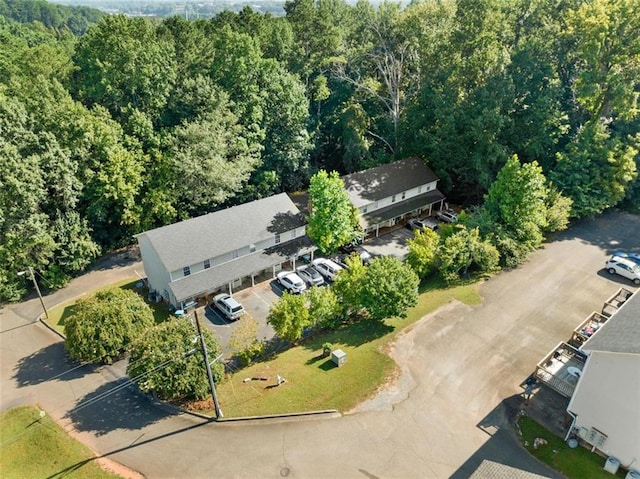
(256,301)
(448,410)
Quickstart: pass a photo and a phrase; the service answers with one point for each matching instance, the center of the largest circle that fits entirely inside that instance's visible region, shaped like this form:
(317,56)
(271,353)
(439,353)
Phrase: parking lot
(257,299)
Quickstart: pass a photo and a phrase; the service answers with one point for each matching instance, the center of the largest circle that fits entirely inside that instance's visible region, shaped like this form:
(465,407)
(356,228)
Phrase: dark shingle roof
(383,181)
(194,240)
(621,333)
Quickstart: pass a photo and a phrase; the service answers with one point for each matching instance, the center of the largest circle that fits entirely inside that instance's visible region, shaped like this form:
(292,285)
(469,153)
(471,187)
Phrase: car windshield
(236,309)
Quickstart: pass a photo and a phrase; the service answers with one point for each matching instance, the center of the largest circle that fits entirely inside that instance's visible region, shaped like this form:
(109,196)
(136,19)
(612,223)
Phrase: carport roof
(213,278)
(402,207)
(621,333)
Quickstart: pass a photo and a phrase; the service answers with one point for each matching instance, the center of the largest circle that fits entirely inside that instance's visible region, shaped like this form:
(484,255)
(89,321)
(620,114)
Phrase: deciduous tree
(423,251)
(289,316)
(333,219)
(169,361)
(103,326)
(390,288)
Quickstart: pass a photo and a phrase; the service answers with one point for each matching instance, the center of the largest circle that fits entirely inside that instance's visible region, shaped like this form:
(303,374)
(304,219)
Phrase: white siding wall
(388,201)
(157,276)
(242,251)
(608,398)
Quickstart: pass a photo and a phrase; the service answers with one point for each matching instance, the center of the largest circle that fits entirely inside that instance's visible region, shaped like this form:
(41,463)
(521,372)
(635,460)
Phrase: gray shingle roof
(621,333)
(194,240)
(383,181)
(494,470)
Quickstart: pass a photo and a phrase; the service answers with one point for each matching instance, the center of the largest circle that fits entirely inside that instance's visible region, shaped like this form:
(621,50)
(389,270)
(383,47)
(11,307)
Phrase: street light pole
(212,384)
(35,283)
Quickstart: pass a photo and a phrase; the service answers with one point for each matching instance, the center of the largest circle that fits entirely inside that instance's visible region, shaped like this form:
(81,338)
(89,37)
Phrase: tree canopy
(112,125)
(170,363)
(103,326)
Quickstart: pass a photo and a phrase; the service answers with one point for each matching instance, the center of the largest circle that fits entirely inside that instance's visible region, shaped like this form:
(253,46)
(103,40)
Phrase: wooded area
(140,123)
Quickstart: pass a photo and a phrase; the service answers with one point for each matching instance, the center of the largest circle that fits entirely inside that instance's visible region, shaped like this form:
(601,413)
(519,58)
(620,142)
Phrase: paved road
(462,367)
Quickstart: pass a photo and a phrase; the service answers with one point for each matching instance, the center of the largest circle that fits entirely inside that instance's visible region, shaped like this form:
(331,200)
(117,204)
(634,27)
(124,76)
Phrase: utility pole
(35,283)
(214,395)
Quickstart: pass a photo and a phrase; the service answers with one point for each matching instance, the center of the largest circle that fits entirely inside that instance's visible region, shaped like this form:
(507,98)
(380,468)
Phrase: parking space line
(261,298)
(226,324)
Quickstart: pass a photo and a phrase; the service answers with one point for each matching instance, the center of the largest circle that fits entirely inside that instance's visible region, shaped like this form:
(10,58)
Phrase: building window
(404,195)
(364,209)
(252,248)
(186,271)
(278,238)
(419,189)
(234,254)
(207,264)
(293,234)
(393,199)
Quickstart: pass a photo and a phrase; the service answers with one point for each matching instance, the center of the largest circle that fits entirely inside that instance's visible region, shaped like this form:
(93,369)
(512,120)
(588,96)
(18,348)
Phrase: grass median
(314,382)
(35,446)
(573,463)
(59,314)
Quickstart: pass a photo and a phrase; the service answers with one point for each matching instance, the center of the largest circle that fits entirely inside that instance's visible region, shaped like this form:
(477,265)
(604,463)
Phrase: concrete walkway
(449,410)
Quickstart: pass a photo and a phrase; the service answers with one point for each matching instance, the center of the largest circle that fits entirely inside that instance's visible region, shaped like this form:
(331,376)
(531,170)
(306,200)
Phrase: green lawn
(314,382)
(578,463)
(37,447)
(59,314)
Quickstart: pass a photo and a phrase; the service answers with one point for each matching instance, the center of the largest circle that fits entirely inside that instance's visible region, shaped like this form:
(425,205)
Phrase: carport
(394,214)
(230,275)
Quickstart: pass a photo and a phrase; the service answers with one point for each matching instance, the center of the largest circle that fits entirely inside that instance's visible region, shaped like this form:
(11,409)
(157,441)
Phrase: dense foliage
(333,221)
(75,19)
(103,326)
(169,361)
(139,123)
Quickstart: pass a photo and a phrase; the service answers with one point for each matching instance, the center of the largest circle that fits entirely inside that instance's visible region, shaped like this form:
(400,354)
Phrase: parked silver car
(420,224)
(327,268)
(228,306)
(447,216)
(310,275)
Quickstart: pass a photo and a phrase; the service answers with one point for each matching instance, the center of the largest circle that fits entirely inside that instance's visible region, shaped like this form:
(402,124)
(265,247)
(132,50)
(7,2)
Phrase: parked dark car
(351,248)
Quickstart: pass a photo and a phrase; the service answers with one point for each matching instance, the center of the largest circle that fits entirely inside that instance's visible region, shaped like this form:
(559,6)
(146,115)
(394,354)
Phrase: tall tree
(170,364)
(390,287)
(122,63)
(333,221)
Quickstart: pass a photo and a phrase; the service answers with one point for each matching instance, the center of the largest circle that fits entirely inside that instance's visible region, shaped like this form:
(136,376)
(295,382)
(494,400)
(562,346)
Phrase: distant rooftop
(383,181)
(621,333)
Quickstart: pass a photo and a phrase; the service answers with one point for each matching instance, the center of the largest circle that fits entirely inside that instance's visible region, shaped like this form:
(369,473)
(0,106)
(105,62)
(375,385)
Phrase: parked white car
(624,267)
(291,281)
(228,306)
(327,268)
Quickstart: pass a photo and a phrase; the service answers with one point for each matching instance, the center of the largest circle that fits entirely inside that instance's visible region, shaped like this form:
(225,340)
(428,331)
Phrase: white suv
(327,268)
(624,267)
(228,306)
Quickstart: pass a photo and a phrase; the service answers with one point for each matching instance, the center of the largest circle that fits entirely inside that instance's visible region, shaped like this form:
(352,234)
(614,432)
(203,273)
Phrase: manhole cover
(284,472)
